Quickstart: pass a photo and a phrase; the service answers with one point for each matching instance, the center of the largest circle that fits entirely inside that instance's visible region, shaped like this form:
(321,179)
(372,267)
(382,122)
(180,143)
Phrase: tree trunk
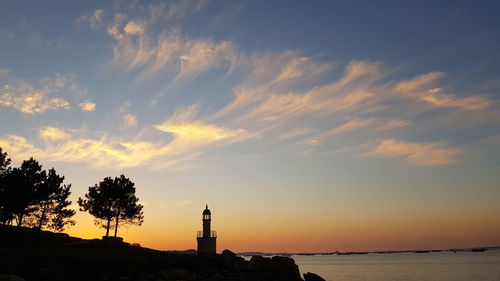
(116,225)
(20,219)
(107,227)
(42,218)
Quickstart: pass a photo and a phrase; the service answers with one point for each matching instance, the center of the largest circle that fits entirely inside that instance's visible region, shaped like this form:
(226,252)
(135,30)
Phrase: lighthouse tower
(206,238)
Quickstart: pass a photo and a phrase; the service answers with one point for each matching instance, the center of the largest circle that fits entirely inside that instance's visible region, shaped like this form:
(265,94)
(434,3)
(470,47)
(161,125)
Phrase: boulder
(227,253)
(112,239)
(312,277)
(279,264)
(285,264)
(231,261)
(259,263)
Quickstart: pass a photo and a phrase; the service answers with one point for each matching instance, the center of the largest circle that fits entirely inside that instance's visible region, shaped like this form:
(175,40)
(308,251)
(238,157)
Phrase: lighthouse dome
(206,211)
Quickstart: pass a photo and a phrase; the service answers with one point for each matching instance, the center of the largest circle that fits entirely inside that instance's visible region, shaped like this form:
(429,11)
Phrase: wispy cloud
(134,28)
(287,96)
(437,98)
(94,20)
(300,67)
(53,134)
(175,9)
(190,133)
(393,124)
(102,152)
(169,51)
(376,105)
(198,133)
(129,120)
(422,88)
(201,56)
(340,96)
(151,52)
(295,133)
(421,154)
(351,125)
(26,98)
(369,126)
(269,68)
(419,82)
(38,96)
(189,138)
(87,106)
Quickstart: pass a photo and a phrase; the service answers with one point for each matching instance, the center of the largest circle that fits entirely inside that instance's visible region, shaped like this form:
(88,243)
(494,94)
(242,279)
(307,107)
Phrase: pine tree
(113,200)
(32,197)
(51,206)
(22,185)
(4,161)
(5,215)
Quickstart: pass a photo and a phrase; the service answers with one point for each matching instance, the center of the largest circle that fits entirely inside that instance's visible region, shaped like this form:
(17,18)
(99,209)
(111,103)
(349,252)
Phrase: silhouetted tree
(22,185)
(113,200)
(33,197)
(61,217)
(10,197)
(5,215)
(51,202)
(4,161)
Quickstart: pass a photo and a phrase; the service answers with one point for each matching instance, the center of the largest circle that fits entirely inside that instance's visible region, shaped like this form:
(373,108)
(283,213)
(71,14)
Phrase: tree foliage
(113,201)
(4,161)
(5,215)
(51,204)
(21,189)
(34,197)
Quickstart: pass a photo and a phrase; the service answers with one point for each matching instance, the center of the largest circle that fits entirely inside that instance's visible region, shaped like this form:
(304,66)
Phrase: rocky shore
(32,255)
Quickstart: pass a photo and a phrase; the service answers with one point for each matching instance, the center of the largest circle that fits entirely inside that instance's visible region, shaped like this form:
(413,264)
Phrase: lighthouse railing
(213,234)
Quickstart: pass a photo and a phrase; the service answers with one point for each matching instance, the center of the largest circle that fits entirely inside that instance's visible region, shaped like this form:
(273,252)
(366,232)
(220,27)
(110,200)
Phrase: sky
(305,126)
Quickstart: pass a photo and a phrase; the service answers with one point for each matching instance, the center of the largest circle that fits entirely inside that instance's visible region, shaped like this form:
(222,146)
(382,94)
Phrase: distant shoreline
(471,249)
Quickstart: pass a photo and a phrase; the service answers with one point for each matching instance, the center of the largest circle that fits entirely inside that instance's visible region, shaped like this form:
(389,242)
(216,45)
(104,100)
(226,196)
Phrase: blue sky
(361,113)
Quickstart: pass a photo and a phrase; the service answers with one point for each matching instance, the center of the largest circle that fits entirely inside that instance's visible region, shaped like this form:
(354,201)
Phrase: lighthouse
(207,237)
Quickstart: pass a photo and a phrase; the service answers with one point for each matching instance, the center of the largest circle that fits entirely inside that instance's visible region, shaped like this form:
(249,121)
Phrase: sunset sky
(304,125)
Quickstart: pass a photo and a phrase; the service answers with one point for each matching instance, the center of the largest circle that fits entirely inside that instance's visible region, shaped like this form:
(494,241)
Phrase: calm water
(443,266)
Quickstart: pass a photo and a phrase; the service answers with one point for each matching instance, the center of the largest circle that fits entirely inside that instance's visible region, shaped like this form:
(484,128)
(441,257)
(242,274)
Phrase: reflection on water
(441,266)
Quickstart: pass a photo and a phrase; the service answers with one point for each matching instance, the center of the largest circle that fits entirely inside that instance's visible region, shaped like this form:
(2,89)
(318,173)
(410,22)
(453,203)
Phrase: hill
(35,255)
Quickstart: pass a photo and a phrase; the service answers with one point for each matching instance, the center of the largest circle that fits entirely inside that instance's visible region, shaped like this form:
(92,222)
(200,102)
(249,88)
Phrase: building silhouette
(206,238)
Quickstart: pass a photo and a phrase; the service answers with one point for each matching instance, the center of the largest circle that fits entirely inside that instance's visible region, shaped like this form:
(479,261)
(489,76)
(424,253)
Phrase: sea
(433,266)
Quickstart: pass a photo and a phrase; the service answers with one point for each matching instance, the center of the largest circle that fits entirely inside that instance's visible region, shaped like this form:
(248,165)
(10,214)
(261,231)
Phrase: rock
(230,260)
(227,253)
(312,277)
(285,264)
(112,239)
(259,263)
(11,278)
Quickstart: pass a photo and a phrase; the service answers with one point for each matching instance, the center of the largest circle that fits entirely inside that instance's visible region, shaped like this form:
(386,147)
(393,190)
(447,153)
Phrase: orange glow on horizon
(287,237)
